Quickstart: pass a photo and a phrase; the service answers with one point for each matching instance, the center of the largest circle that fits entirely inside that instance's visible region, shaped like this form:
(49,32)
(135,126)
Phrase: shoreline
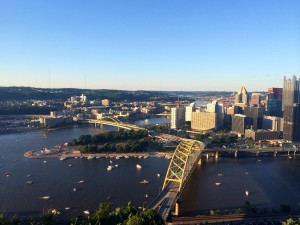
(73,152)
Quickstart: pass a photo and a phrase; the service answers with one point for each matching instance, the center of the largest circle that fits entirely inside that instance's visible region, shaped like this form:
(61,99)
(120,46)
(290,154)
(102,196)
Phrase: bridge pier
(217,155)
(295,153)
(176,212)
(257,152)
(207,156)
(199,162)
(288,152)
(275,153)
(235,154)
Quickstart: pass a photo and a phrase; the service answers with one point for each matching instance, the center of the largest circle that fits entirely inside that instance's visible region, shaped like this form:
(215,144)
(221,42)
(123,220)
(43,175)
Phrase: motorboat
(63,157)
(109,168)
(46,197)
(246,193)
(67,208)
(138,166)
(81,181)
(218,184)
(110,161)
(86,212)
(45,161)
(146,196)
(55,211)
(220,174)
(70,165)
(74,189)
(29,182)
(117,165)
(90,157)
(144,182)
(158,175)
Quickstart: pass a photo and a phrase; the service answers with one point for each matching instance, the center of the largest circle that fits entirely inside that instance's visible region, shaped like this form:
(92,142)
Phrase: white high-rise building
(188,112)
(217,108)
(177,117)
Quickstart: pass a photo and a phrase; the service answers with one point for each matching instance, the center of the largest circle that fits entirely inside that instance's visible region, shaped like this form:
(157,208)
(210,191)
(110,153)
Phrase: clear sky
(149,44)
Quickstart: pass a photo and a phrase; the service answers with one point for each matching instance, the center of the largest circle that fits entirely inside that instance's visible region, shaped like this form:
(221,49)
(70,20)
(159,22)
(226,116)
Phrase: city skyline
(139,45)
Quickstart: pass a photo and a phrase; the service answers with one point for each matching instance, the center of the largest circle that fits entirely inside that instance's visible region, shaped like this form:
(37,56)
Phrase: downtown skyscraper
(291,109)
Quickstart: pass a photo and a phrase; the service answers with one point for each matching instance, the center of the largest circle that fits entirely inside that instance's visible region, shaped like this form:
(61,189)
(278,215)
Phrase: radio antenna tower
(49,78)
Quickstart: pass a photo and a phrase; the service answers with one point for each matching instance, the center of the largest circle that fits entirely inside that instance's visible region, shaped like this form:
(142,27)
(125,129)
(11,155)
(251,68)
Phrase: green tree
(290,221)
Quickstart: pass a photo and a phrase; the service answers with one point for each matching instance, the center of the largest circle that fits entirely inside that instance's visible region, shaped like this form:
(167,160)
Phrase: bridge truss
(183,162)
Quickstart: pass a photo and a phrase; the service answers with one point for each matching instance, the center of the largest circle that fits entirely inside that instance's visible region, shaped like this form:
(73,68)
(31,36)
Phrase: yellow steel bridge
(183,162)
(111,121)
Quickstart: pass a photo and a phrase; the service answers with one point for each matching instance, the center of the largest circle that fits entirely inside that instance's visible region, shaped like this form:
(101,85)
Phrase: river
(270,182)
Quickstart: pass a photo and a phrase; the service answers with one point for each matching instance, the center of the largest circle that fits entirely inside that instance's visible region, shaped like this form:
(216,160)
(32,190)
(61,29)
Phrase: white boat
(81,181)
(168,157)
(74,189)
(220,174)
(90,157)
(55,211)
(218,184)
(28,175)
(63,157)
(45,161)
(70,165)
(138,166)
(117,165)
(110,162)
(126,157)
(147,196)
(246,173)
(67,208)
(86,212)
(46,197)
(158,175)
(29,182)
(246,193)
(109,168)
(144,182)
(140,156)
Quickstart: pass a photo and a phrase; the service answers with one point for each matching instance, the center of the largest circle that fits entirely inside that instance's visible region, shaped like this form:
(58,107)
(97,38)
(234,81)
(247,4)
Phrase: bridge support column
(95,125)
(275,153)
(257,152)
(217,155)
(235,154)
(207,156)
(295,152)
(176,212)
(288,152)
(199,162)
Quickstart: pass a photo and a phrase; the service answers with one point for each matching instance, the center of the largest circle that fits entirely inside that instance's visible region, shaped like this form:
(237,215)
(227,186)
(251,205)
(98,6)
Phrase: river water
(270,181)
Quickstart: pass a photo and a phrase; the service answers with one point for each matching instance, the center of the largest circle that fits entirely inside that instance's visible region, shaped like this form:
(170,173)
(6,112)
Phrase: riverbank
(63,152)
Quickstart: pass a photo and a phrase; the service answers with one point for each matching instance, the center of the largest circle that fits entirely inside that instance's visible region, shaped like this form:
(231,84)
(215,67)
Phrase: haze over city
(149,45)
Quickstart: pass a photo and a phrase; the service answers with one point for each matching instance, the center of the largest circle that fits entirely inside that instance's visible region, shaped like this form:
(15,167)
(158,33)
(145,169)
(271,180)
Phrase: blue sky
(149,45)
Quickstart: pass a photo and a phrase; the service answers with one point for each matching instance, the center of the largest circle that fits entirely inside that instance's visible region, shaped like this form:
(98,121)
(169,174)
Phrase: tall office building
(276,93)
(203,121)
(240,123)
(241,98)
(217,108)
(188,112)
(255,99)
(256,114)
(274,102)
(177,117)
(291,109)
